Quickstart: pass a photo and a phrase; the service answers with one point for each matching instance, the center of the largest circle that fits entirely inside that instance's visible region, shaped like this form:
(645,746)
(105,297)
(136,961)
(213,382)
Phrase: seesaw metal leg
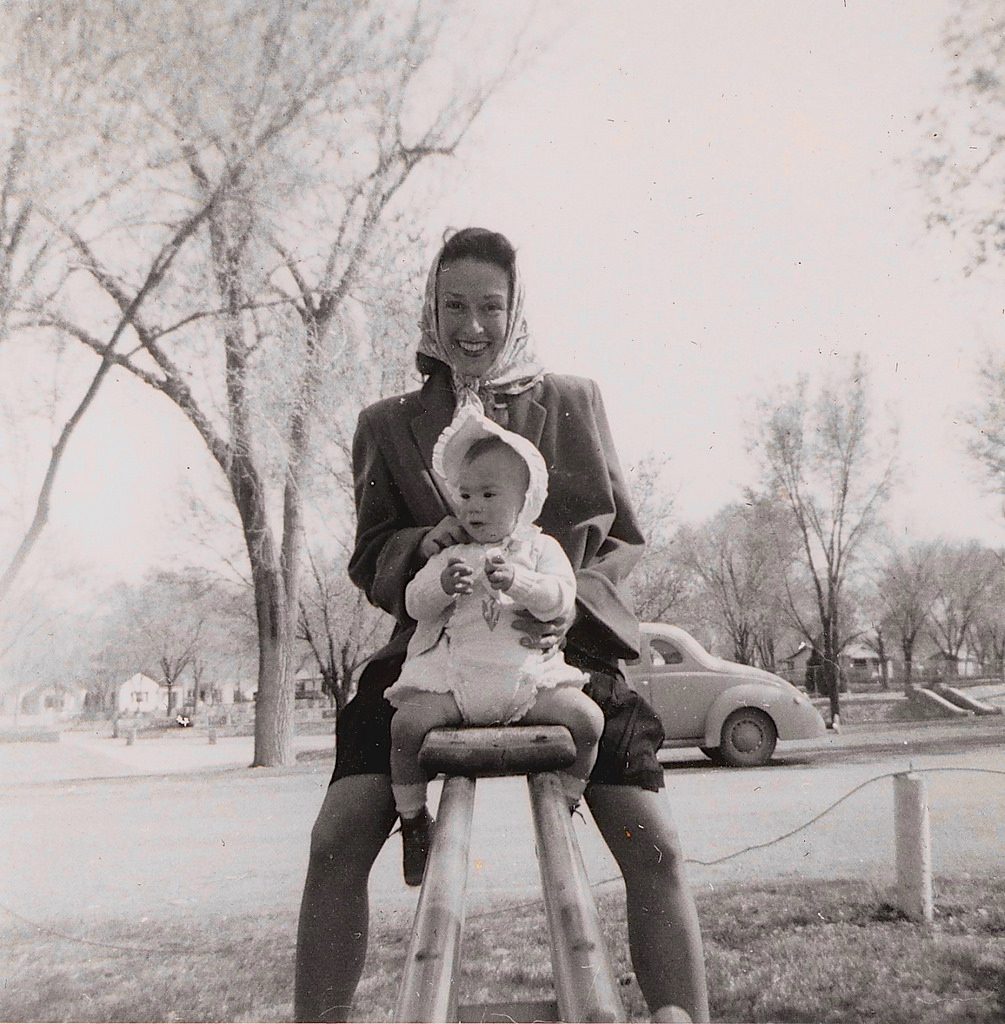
(428,989)
(585,985)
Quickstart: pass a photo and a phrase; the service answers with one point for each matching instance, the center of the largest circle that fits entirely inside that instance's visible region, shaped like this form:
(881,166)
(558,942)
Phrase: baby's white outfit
(466,645)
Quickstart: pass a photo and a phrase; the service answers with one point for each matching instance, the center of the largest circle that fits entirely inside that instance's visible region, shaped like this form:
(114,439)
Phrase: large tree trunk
(907,646)
(829,669)
(274,745)
(276,622)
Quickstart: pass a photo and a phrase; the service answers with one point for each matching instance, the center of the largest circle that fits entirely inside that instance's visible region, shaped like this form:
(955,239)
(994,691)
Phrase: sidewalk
(94,755)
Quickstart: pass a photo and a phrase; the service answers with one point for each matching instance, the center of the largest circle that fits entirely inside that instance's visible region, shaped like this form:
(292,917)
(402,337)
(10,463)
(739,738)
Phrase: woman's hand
(499,572)
(543,636)
(446,532)
(456,577)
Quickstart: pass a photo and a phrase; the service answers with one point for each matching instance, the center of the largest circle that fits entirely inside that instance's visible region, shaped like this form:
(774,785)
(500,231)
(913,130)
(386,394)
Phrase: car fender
(746,695)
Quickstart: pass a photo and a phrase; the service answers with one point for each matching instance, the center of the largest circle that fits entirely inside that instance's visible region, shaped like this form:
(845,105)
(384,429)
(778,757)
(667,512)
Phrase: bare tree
(963,576)
(963,161)
(822,462)
(962,167)
(279,140)
(987,421)
(339,627)
(41,142)
(173,626)
(659,581)
(736,557)
(905,586)
(987,632)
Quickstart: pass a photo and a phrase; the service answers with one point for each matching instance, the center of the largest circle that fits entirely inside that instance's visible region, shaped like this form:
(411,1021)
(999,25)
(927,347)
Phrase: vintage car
(733,713)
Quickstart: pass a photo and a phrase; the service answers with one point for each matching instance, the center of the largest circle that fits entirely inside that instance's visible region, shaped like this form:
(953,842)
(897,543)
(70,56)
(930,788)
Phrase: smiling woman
(471,313)
(475,343)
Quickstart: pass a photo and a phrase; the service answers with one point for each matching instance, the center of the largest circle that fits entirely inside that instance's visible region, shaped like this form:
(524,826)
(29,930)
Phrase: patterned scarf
(517,368)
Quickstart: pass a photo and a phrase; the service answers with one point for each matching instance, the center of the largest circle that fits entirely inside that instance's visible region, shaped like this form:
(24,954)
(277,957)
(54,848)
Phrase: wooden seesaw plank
(428,990)
(585,984)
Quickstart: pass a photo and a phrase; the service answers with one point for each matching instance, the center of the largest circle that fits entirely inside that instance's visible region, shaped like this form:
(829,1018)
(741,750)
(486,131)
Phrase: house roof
(859,651)
(139,679)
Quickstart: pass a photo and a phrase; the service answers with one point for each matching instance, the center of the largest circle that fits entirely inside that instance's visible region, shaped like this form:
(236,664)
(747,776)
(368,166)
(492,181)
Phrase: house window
(139,696)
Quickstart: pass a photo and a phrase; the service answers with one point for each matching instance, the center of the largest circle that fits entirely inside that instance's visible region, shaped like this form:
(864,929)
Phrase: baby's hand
(498,571)
(456,577)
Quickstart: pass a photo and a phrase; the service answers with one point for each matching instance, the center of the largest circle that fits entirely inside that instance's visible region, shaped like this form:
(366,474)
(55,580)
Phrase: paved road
(222,840)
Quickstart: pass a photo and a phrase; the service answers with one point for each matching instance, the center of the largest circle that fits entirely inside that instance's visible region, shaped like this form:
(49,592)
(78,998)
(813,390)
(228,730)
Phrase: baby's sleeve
(425,598)
(548,591)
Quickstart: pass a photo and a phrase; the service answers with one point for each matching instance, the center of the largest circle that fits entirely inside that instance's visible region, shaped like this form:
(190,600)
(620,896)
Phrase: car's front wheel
(748,738)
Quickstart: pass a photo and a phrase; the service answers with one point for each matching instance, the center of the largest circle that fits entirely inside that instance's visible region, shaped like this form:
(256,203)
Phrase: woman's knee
(354,820)
(640,833)
(585,719)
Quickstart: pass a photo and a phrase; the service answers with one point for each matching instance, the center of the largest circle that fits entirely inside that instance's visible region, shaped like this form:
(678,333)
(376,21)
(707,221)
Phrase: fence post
(913,847)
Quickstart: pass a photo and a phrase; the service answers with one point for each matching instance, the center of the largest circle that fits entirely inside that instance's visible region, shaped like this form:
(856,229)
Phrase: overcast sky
(710,198)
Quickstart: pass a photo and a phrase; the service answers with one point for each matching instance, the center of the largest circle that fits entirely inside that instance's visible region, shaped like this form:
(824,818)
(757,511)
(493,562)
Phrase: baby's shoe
(416,835)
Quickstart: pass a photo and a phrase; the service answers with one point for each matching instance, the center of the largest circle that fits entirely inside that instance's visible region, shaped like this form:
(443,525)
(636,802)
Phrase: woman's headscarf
(515,370)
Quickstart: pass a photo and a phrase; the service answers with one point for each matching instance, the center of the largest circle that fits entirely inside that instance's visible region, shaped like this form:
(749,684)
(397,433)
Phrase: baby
(465,663)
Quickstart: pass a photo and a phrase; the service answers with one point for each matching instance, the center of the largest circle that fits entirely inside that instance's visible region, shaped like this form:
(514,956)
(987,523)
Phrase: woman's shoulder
(565,388)
(406,404)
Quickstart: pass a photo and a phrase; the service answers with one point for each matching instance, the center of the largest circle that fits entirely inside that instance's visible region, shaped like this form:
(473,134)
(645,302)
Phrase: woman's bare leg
(663,932)
(570,707)
(354,820)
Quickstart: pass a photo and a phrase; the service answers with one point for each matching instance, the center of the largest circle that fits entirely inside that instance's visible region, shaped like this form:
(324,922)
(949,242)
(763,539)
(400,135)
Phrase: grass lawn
(810,951)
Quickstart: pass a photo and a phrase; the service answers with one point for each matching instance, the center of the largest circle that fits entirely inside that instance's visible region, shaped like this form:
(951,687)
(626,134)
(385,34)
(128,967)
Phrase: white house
(139,694)
(41,704)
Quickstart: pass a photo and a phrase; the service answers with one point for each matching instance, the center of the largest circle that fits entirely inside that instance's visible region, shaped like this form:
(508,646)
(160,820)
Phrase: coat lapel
(427,427)
(527,418)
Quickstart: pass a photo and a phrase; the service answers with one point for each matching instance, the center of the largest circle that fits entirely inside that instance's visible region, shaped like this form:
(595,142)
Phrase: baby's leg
(409,726)
(568,706)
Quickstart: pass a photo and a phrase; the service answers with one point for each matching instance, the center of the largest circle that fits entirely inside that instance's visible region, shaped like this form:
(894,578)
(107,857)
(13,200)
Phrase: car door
(681,688)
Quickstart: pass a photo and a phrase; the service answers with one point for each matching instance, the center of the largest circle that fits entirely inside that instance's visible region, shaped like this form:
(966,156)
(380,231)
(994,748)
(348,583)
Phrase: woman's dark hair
(480,244)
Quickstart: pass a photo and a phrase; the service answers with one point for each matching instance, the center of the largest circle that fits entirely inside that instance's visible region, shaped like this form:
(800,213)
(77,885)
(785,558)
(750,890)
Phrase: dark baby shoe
(416,835)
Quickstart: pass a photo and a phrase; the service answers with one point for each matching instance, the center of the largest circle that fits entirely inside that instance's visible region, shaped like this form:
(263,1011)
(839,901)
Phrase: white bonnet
(469,425)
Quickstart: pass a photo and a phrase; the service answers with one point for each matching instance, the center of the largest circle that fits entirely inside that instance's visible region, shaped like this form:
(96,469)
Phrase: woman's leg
(663,932)
(570,707)
(354,820)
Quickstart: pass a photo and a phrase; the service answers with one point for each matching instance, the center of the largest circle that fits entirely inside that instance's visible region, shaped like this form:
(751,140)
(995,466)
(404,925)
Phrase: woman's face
(472,303)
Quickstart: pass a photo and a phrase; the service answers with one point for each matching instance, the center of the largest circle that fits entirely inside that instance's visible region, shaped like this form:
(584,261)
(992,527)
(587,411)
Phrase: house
(792,666)
(140,694)
(41,704)
(861,664)
(308,681)
(942,665)
(240,692)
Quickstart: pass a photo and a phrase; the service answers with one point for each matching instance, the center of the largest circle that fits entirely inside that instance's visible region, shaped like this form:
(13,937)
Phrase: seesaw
(586,988)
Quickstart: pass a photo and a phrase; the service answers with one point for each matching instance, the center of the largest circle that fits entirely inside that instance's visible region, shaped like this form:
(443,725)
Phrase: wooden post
(428,989)
(131,735)
(585,985)
(913,847)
